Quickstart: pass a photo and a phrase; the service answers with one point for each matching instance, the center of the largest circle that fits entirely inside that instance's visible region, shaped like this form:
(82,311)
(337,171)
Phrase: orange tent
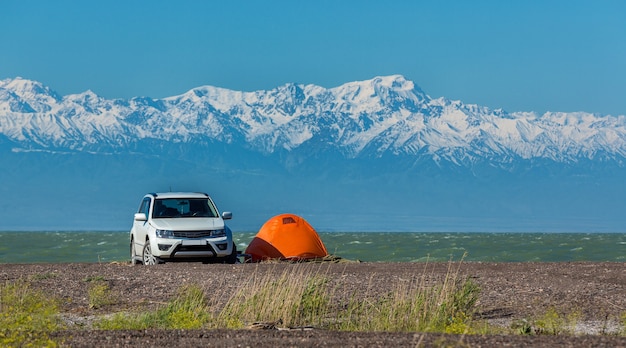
(286,236)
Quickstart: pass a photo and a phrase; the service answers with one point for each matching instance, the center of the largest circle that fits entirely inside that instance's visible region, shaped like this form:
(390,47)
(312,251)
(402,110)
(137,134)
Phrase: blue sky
(517,55)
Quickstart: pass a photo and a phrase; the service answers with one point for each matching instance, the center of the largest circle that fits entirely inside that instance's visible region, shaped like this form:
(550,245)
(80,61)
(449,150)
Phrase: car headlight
(165,233)
(218,233)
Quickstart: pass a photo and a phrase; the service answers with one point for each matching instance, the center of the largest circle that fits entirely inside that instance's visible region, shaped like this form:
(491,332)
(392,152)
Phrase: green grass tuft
(99,294)
(188,310)
(27,317)
(550,323)
(44,276)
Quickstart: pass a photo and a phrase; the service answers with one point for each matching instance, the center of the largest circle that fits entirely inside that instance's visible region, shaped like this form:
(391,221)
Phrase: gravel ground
(510,292)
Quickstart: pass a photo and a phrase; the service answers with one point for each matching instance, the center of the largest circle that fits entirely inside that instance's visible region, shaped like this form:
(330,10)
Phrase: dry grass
(304,295)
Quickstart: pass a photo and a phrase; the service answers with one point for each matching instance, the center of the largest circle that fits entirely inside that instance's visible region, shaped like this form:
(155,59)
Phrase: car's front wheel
(147,257)
(232,258)
(133,253)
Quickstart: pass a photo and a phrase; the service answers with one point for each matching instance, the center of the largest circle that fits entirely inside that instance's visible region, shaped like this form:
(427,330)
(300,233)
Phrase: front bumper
(170,248)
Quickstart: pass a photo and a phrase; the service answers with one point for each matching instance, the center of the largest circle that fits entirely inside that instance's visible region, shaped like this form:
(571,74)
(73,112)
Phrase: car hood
(188,224)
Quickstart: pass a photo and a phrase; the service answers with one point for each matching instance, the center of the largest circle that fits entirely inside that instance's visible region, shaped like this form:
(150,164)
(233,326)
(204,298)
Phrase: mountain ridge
(373,155)
(369,118)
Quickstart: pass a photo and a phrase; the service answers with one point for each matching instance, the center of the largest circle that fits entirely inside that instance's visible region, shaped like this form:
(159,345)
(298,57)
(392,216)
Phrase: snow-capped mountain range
(384,116)
(375,155)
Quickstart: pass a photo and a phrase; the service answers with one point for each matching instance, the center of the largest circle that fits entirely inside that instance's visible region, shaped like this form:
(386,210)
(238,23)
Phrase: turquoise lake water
(60,247)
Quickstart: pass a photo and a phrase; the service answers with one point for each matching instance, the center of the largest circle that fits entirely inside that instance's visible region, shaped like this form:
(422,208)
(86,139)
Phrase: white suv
(180,226)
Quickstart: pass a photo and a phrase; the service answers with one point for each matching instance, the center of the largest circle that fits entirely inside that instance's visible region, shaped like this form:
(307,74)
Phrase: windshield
(183,207)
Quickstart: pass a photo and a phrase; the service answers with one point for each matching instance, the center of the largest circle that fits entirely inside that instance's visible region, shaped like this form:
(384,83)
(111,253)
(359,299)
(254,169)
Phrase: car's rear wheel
(147,257)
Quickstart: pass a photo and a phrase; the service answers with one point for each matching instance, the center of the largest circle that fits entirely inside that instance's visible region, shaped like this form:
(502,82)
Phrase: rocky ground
(510,293)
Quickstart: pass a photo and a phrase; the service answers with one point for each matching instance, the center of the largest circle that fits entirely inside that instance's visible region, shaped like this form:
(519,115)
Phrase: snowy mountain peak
(29,89)
(27,96)
(397,82)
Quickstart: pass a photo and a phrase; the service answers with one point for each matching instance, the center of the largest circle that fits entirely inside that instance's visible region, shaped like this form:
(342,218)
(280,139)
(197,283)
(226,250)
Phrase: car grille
(192,234)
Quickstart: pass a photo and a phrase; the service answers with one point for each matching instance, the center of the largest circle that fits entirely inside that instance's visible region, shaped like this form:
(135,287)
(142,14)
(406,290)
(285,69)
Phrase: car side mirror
(227,215)
(140,217)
